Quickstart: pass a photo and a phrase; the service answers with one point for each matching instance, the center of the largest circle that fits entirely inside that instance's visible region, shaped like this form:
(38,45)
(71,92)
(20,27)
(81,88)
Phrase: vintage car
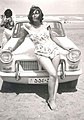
(21,66)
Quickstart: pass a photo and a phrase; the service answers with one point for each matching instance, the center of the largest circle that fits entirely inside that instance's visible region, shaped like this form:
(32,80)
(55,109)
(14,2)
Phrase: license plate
(38,80)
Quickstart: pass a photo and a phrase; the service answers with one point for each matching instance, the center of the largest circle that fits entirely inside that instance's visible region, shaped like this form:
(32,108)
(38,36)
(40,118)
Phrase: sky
(47,6)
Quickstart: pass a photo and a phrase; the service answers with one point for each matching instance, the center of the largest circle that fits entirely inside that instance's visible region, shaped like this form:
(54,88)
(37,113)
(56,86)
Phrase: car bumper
(37,77)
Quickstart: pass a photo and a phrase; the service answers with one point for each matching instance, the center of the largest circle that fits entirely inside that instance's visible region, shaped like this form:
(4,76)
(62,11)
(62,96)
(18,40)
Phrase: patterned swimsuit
(44,46)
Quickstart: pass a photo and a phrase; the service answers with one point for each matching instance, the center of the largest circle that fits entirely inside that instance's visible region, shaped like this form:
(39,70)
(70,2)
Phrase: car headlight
(74,55)
(6,56)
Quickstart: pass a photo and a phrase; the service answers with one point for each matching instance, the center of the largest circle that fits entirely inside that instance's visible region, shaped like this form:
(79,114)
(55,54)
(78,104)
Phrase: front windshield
(56,28)
(18,31)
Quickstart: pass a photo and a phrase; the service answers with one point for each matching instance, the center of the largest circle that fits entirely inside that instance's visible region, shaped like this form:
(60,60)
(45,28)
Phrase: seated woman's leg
(55,62)
(4,39)
(51,101)
(47,64)
(6,36)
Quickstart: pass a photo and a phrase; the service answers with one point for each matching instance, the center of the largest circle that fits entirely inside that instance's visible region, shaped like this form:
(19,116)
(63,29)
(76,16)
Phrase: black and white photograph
(41,59)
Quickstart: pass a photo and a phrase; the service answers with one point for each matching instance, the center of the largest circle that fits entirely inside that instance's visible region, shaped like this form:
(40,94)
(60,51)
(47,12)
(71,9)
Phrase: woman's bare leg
(55,62)
(51,100)
(47,64)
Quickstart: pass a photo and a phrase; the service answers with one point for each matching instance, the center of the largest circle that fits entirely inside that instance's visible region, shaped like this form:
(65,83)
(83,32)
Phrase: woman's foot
(52,104)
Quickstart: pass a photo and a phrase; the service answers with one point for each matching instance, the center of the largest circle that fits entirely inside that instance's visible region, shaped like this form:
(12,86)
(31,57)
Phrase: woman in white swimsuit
(45,49)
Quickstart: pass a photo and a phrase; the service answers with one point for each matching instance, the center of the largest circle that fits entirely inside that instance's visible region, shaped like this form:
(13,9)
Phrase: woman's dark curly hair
(8,13)
(32,9)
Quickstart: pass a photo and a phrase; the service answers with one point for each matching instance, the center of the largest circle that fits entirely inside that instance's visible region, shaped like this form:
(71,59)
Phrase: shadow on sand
(41,90)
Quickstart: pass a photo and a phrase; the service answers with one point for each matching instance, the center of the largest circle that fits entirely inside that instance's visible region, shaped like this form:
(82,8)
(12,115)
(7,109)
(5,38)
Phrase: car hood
(27,47)
(67,42)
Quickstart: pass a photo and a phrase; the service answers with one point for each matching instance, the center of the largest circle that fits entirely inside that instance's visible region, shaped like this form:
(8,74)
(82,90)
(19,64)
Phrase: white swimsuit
(44,46)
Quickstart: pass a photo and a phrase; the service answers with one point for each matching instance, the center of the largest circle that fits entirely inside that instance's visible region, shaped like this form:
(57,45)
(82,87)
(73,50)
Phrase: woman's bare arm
(20,40)
(53,37)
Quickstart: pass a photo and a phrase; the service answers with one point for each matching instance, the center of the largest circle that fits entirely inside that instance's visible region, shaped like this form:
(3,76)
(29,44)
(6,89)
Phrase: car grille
(29,65)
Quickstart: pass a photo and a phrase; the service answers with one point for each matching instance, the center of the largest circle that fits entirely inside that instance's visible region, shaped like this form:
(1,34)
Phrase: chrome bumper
(23,77)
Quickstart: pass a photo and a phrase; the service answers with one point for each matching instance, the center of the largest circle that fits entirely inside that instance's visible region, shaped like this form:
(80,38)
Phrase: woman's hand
(10,49)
